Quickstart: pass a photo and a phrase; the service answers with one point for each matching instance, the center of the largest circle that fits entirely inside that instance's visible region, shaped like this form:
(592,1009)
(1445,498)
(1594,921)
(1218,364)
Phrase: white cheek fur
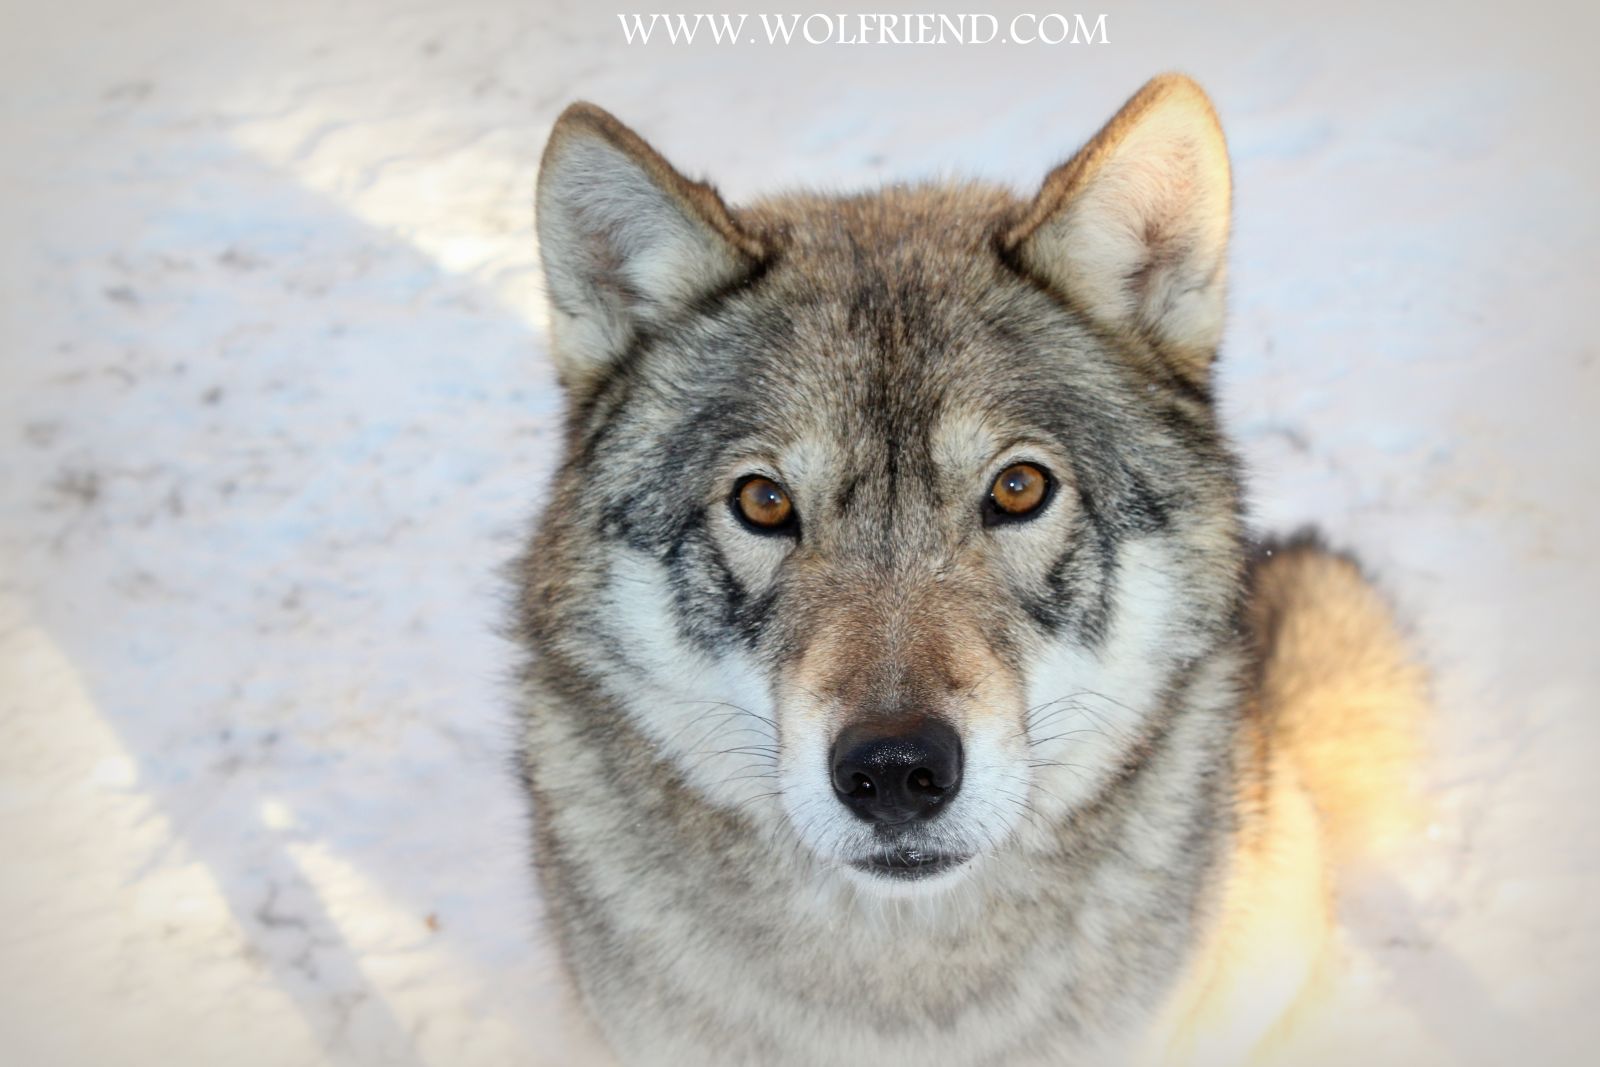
(1086,706)
(710,716)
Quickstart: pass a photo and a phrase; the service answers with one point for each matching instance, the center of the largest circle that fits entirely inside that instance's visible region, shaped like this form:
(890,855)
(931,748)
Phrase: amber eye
(1019,492)
(763,505)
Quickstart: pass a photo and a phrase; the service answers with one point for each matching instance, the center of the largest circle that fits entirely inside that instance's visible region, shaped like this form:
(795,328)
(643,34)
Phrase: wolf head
(893,523)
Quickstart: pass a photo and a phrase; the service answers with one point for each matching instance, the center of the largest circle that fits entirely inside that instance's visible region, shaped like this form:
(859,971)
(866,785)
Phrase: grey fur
(699,920)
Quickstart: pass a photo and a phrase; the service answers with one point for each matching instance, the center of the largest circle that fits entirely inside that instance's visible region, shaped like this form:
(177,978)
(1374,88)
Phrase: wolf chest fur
(902,684)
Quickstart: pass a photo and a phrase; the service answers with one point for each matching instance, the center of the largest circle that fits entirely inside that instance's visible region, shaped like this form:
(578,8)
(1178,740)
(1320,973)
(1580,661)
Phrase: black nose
(894,776)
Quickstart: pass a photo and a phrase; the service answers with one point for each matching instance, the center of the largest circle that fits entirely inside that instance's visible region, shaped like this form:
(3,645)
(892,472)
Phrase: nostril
(922,781)
(861,787)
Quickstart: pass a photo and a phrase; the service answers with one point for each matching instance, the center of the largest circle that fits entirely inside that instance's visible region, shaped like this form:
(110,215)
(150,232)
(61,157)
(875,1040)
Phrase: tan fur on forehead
(942,215)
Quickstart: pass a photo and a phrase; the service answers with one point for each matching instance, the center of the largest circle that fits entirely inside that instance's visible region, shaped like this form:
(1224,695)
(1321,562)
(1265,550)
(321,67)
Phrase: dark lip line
(899,864)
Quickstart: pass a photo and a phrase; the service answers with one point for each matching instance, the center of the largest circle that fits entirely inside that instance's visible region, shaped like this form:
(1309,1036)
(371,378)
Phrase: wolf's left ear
(1134,228)
(627,242)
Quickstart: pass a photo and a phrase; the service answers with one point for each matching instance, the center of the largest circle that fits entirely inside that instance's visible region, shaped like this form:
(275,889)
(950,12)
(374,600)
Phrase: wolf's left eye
(1018,493)
(763,505)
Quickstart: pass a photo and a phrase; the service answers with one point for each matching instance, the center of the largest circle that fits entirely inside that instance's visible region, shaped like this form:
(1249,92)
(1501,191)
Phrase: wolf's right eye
(763,505)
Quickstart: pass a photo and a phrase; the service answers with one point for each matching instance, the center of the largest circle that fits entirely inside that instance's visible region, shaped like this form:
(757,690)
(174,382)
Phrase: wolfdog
(904,687)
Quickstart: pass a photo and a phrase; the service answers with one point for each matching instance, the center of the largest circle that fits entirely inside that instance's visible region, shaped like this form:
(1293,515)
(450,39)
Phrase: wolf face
(890,523)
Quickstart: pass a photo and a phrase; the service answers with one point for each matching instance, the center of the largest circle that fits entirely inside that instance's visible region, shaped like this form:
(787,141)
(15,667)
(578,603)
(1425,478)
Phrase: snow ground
(275,407)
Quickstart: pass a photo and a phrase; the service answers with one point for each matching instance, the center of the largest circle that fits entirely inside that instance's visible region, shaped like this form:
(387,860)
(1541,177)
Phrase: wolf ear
(627,242)
(1134,228)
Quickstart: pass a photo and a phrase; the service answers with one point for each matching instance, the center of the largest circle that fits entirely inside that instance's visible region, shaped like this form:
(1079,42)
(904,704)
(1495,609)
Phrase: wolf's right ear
(627,242)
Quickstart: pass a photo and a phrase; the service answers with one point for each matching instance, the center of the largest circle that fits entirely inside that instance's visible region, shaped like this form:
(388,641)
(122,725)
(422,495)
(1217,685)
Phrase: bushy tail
(1339,694)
